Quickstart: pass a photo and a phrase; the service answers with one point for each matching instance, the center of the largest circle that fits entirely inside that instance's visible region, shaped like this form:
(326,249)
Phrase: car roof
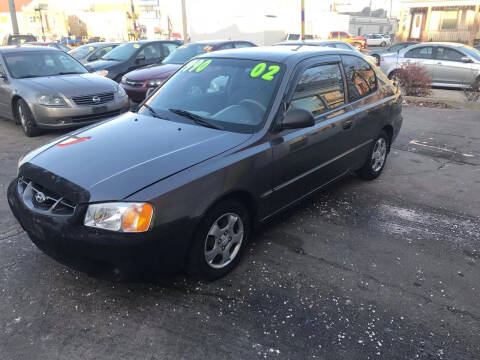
(280,54)
(26,48)
(310,42)
(444,43)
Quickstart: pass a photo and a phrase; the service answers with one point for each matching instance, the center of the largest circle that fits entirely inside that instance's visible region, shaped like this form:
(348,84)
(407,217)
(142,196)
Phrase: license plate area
(99,109)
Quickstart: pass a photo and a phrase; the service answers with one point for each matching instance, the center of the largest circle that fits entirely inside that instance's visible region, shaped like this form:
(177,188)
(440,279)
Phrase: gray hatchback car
(44,88)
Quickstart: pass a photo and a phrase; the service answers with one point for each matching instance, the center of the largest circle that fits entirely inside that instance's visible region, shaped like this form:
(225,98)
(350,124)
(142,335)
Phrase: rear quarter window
(361,78)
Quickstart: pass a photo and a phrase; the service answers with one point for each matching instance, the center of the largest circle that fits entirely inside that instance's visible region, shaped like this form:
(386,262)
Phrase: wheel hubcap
(224,240)
(379,154)
(22,117)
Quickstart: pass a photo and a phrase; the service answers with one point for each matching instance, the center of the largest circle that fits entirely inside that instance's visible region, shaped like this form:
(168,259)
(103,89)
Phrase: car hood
(102,64)
(153,72)
(70,85)
(116,158)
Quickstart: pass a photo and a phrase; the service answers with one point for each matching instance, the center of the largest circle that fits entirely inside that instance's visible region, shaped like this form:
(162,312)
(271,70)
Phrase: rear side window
(168,48)
(423,52)
(242,45)
(361,79)
(343,35)
(225,46)
(319,89)
(343,46)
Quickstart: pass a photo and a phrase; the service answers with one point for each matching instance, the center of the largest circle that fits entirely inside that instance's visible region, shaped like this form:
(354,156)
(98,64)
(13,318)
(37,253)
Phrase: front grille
(38,198)
(136,83)
(94,99)
(91,117)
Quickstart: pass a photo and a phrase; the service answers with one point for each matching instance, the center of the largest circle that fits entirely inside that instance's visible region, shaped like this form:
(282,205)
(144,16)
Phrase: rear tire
(376,158)
(220,240)
(383,44)
(25,118)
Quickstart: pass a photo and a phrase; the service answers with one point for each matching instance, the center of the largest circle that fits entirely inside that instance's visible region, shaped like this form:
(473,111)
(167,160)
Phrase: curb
(456,104)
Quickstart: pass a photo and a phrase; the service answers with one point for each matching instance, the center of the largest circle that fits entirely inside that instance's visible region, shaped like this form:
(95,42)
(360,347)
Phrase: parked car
(477,47)
(357,42)
(131,56)
(138,82)
(45,88)
(92,52)
(69,41)
(295,37)
(448,64)
(394,48)
(183,182)
(17,39)
(327,43)
(377,40)
(52,44)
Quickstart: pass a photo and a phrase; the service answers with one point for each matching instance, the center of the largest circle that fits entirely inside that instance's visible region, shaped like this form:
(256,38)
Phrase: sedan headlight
(51,100)
(101,72)
(120,216)
(120,91)
(154,82)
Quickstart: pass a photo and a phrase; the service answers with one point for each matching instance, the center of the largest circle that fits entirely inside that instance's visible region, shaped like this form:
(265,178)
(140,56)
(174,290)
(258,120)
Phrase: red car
(137,82)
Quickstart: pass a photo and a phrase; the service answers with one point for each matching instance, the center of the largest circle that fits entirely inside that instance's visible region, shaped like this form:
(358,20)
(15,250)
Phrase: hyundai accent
(230,140)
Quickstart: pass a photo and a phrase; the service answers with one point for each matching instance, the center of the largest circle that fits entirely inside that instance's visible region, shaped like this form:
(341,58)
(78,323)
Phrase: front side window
(37,64)
(168,48)
(422,52)
(233,94)
(150,52)
(102,52)
(343,35)
(242,45)
(445,53)
(343,46)
(320,89)
(361,79)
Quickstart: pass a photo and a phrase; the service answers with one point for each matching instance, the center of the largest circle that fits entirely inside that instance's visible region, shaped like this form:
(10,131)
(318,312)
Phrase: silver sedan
(44,88)
(448,64)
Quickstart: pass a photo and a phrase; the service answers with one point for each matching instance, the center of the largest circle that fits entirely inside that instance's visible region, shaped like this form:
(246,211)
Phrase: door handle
(347,125)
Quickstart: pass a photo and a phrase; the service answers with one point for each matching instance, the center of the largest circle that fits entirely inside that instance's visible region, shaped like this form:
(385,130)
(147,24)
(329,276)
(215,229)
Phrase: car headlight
(120,216)
(51,100)
(101,72)
(154,82)
(124,79)
(120,91)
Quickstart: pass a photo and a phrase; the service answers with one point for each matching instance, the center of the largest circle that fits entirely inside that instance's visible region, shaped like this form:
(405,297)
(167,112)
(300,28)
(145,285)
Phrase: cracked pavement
(387,269)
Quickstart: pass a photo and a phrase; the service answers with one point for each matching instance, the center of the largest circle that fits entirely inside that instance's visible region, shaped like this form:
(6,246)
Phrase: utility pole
(391,7)
(13,16)
(303,20)
(39,9)
(184,20)
(370,9)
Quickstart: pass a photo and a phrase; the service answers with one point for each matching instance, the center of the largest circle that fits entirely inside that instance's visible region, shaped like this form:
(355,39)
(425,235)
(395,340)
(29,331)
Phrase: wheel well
(389,130)
(244,197)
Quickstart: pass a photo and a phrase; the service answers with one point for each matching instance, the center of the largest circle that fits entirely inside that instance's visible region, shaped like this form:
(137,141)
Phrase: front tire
(25,119)
(220,241)
(383,44)
(376,158)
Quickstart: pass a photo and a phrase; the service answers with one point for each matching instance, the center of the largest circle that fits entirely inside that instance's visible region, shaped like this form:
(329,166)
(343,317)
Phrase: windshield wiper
(154,113)
(197,118)
(31,76)
(68,73)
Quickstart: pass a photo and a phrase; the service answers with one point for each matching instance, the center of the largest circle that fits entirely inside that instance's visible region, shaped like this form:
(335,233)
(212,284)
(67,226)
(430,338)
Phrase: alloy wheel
(224,240)
(379,154)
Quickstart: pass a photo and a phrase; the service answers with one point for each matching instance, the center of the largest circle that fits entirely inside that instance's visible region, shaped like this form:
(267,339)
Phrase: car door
(4,91)
(368,104)
(308,158)
(422,56)
(449,67)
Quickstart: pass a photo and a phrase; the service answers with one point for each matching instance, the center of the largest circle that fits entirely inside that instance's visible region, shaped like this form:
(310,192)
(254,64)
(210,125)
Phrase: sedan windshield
(42,63)
(474,53)
(122,52)
(185,52)
(81,51)
(230,94)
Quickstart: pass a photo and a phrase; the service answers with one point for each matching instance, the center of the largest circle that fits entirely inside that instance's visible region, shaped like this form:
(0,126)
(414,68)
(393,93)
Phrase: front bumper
(135,93)
(101,253)
(49,117)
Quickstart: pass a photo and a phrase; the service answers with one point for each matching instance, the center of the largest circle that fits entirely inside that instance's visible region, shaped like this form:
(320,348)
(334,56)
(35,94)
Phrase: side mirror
(297,119)
(140,59)
(93,58)
(466,59)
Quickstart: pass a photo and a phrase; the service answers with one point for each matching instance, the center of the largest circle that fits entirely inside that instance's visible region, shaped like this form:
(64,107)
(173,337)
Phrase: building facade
(440,20)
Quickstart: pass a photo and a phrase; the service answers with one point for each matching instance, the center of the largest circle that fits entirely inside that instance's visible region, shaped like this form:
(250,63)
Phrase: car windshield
(231,94)
(81,51)
(42,63)
(122,52)
(185,52)
(474,53)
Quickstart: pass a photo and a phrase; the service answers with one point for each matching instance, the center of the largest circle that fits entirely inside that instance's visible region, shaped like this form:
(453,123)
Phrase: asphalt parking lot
(387,269)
